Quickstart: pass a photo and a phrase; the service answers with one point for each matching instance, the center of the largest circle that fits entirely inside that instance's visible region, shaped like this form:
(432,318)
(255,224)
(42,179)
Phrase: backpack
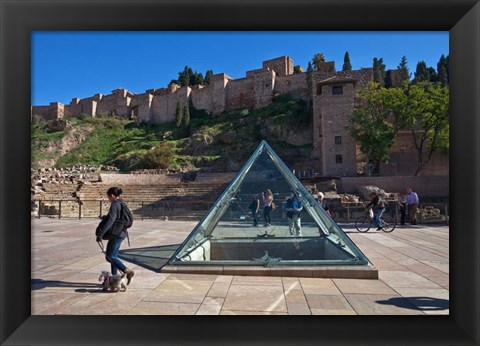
(124,221)
(127,217)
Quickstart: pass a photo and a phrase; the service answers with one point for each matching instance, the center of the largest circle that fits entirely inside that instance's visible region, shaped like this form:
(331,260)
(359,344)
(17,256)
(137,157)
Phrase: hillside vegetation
(221,143)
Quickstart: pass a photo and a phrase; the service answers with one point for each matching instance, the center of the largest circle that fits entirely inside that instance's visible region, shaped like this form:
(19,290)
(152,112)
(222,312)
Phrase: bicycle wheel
(389,223)
(363,224)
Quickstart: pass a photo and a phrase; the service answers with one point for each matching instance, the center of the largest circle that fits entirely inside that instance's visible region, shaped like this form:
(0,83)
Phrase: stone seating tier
(154,193)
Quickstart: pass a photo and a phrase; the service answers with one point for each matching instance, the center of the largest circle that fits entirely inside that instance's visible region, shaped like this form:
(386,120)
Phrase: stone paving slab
(255,298)
(413,266)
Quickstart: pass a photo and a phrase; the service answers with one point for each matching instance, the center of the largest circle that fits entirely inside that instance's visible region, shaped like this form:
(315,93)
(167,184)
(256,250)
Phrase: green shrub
(160,157)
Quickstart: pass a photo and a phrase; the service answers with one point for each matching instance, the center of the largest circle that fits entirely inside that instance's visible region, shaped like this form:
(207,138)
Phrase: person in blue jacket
(294,207)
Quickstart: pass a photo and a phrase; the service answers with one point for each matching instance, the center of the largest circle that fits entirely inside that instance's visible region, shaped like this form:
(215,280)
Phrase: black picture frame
(19,18)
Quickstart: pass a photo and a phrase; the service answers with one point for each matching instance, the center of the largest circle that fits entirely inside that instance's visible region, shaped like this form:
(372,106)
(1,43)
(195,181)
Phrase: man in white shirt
(412,203)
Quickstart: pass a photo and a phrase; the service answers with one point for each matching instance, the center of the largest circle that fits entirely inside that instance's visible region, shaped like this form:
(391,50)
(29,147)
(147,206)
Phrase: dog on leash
(113,282)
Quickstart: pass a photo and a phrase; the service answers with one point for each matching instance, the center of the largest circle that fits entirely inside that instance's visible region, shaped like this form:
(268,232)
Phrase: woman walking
(402,204)
(114,242)
(267,206)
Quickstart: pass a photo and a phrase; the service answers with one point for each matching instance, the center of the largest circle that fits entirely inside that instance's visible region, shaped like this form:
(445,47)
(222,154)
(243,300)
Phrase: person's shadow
(417,303)
(81,287)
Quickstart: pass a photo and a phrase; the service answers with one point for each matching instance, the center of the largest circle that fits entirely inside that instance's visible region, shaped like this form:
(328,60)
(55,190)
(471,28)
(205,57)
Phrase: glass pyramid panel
(227,235)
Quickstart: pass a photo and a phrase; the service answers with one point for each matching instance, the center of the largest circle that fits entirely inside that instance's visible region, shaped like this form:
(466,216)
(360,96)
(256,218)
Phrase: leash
(100,244)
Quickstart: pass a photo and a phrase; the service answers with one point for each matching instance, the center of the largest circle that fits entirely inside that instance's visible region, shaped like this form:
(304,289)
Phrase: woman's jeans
(378,221)
(113,246)
(403,212)
(254,216)
(266,214)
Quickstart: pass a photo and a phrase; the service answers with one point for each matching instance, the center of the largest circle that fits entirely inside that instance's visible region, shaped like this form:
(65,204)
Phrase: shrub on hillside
(160,156)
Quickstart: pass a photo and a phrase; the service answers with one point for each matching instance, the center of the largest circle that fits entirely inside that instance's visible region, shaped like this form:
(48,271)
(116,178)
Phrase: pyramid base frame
(330,272)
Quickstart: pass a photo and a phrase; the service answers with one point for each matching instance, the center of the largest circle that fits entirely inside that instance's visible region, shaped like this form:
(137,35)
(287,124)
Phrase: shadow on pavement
(38,284)
(152,258)
(419,303)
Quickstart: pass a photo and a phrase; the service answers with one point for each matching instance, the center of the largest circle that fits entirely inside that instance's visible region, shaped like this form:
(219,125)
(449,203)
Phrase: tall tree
(186,116)
(447,65)
(347,66)
(179,114)
(428,117)
(318,60)
(433,77)
(422,74)
(309,76)
(442,71)
(184,77)
(379,72)
(378,116)
(208,75)
(403,69)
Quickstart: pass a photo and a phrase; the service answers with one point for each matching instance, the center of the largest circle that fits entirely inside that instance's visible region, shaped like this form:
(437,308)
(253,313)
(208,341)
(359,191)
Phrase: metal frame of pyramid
(357,265)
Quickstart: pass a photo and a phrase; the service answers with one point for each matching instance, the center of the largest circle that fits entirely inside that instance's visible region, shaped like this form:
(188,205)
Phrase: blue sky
(80,64)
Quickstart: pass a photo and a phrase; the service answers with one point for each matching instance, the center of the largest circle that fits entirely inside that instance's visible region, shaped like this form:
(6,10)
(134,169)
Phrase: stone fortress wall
(334,153)
(224,93)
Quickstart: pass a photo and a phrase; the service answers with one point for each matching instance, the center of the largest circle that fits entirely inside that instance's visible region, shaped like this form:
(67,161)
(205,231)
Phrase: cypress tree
(447,66)
(403,69)
(184,77)
(442,71)
(379,72)
(208,75)
(179,114)
(422,73)
(433,77)
(186,116)
(347,66)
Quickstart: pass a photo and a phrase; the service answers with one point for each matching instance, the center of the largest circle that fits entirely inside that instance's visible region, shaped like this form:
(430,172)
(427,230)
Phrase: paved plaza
(413,265)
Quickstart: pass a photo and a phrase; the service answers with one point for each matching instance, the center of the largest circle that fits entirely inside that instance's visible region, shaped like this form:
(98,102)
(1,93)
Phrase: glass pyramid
(227,235)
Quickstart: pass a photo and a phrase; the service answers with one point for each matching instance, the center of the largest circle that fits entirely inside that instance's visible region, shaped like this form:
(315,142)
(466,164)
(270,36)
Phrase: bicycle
(364,223)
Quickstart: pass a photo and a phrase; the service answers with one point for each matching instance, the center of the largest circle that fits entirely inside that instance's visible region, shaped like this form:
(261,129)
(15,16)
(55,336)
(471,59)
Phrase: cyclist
(377,204)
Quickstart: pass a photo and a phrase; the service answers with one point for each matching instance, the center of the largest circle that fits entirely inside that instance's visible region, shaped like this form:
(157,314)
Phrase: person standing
(254,206)
(402,205)
(412,204)
(114,242)
(267,206)
(320,199)
(377,204)
(294,208)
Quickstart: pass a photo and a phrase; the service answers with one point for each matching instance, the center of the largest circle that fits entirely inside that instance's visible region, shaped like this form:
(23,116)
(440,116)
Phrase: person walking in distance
(254,206)
(402,205)
(267,206)
(412,204)
(320,199)
(294,208)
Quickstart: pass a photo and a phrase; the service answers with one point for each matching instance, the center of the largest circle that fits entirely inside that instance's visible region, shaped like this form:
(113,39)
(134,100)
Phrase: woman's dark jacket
(107,222)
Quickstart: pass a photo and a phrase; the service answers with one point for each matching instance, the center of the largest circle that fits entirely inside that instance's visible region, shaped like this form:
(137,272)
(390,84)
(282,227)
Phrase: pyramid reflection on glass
(226,236)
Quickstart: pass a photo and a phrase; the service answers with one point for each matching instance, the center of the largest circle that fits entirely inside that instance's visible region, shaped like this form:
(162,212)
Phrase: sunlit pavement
(413,264)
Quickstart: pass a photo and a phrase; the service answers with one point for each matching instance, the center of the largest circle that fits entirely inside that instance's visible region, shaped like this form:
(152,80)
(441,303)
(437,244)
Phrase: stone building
(334,153)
